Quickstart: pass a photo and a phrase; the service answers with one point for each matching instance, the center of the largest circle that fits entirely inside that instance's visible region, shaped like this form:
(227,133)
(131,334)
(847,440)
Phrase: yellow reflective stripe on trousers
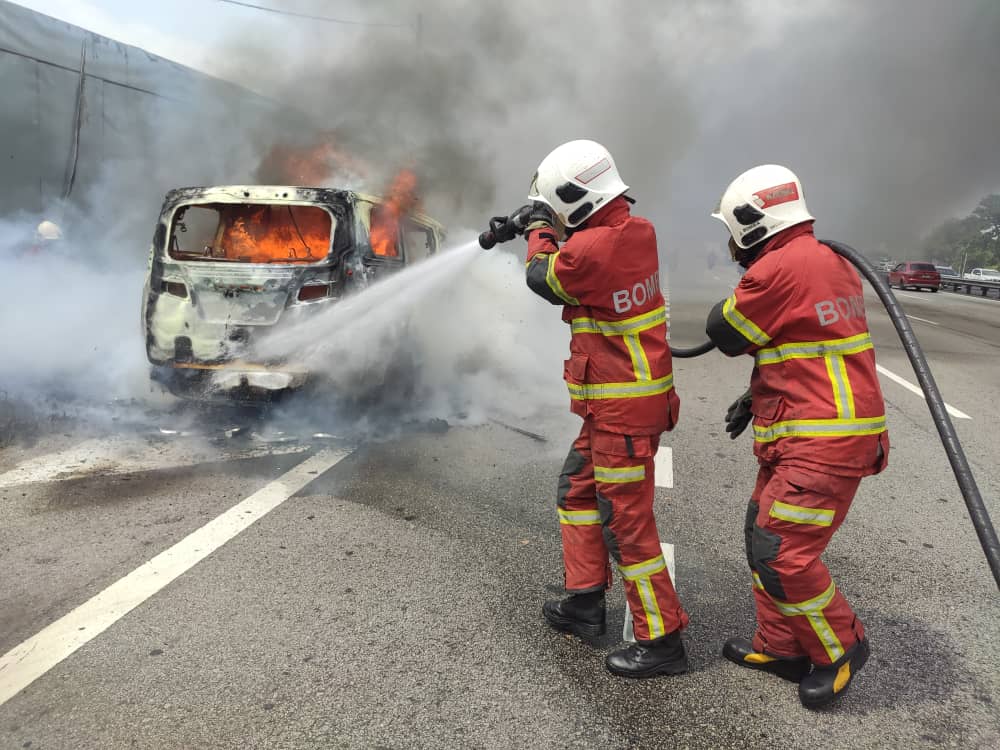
(757,584)
(798,514)
(812,349)
(644,568)
(640,364)
(636,324)
(819,428)
(743,324)
(843,396)
(639,573)
(812,609)
(619,475)
(579,517)
(636,389)
(555,285)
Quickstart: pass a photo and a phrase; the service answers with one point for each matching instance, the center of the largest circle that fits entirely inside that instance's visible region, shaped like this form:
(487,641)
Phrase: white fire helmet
(48,230)
(762,202)
(575,180)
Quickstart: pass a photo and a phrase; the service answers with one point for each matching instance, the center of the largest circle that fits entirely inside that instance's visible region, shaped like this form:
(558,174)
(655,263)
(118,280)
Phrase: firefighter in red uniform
(620,380)
(818,426)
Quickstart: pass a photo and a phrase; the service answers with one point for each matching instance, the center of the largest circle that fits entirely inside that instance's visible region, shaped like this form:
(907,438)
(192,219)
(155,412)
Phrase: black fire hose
(694,351)
(956,456)
(959,464)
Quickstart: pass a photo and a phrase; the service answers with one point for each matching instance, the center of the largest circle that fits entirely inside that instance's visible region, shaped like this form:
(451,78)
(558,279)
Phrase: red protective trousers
(605,506)
(791,518)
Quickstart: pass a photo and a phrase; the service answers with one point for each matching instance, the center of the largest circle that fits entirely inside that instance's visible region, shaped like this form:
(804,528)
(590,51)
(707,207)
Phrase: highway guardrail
(989,289)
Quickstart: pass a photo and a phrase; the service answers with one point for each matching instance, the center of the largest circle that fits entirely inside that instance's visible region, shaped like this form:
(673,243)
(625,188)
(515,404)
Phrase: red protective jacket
(607,277)
(816,399)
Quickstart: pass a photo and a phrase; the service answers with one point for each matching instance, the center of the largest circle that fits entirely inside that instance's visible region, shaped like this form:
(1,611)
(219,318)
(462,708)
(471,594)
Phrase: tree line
(971,242)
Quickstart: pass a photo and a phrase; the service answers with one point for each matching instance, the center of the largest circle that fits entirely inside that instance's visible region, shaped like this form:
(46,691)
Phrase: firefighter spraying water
(605,276)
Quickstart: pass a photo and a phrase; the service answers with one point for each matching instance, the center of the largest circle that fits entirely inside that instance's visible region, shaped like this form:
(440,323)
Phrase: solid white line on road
(912,296)
(922,320)
(664,467)
(958,414)
(25,663)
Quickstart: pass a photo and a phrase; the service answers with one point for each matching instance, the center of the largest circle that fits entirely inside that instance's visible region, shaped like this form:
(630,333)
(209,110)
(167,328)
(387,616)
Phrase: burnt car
(231,265)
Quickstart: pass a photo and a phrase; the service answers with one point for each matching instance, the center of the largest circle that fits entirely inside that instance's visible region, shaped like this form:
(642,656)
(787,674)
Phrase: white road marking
(664,467)
(117,455)
(25,663)
(922,320)
(912,296)
(958,414)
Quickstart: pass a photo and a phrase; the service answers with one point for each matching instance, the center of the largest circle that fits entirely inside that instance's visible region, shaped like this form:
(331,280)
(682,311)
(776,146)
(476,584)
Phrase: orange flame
(401,200)
(277,234)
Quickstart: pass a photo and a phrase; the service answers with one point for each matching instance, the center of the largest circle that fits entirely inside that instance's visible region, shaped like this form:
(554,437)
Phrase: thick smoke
(886,110)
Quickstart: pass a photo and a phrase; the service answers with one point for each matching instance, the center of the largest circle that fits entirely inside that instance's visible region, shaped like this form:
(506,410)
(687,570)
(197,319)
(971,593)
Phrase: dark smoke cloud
(888,110)
(484,91)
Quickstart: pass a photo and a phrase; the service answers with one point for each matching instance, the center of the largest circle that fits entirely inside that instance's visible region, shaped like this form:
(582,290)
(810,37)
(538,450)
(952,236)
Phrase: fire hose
(505,228)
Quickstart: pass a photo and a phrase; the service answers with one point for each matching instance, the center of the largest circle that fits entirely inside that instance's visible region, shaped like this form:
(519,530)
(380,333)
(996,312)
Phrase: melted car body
(230,265)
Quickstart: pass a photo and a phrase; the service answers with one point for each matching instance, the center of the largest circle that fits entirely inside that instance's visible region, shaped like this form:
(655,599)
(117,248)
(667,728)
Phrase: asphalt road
(394,600)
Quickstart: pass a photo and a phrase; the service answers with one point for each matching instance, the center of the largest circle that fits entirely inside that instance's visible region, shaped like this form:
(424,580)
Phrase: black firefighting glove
(539,216)
(738,416)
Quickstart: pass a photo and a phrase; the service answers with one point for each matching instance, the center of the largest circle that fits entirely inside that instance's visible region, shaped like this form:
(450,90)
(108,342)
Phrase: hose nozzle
(505,228)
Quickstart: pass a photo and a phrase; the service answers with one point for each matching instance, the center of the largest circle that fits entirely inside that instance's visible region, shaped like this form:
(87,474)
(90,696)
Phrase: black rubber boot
(580,614)
(740,651)
(827,682)
(665,655)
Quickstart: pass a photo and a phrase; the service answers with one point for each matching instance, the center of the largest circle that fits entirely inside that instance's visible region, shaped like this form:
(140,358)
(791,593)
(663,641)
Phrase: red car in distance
(915,274)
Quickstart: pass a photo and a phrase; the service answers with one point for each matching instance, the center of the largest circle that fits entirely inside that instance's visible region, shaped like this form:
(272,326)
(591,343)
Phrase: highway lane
(395,600)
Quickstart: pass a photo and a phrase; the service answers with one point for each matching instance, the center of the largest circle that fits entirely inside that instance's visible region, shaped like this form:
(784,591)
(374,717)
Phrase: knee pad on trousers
(751,519)
(574,464)
(764,547)
(605,509)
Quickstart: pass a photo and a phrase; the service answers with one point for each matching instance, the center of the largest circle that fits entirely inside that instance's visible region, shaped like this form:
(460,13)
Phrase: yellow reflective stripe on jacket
(757,582)
(798,514)
(555,285)
(843,395)
(640,363)
(813,349)
(579,517)
(751,332)
(636,324)
(812,609)
(619,475)
(620,390)
(819,428)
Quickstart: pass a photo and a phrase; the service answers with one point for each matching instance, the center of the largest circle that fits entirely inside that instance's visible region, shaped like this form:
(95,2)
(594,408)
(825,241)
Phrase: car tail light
(313,291)
(175,288)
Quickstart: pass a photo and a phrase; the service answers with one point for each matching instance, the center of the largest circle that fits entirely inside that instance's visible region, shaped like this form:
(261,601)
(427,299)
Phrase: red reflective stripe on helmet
(777,195)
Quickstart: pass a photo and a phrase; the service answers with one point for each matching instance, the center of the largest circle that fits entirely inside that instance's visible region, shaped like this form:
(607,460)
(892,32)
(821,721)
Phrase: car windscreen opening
(251,233)
(922,267)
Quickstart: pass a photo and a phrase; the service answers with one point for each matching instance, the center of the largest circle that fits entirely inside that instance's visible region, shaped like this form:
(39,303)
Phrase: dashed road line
(957,413)
(664,467)
(922,320)
(28,661)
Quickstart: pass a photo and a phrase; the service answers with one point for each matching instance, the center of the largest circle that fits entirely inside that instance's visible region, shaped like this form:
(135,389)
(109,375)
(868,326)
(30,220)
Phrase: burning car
(232,264)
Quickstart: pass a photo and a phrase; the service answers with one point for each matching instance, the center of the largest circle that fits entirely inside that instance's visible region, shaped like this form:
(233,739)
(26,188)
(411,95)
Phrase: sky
(887,109)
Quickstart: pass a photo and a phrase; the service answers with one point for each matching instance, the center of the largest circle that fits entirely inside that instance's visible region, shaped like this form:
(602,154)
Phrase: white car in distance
(983,274)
